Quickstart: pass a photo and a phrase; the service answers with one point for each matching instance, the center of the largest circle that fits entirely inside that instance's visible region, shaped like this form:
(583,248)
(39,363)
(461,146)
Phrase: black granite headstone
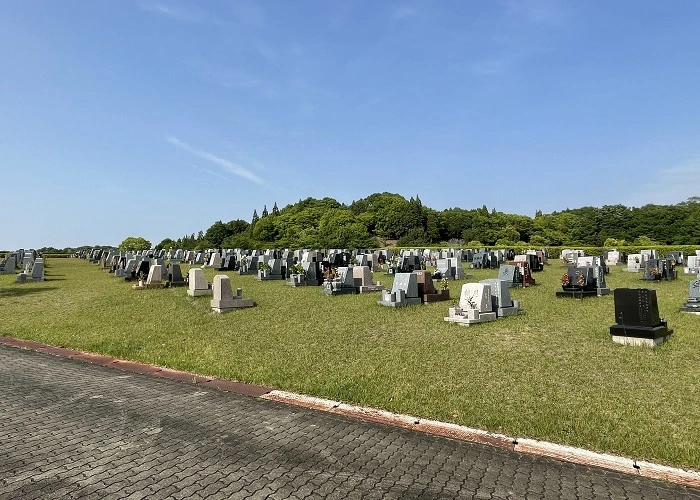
(637,314)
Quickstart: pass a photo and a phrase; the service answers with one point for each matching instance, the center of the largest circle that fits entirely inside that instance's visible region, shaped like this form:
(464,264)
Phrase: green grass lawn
(551,373)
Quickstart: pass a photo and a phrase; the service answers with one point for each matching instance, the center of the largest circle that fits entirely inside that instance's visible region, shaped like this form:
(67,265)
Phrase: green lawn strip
(552,373)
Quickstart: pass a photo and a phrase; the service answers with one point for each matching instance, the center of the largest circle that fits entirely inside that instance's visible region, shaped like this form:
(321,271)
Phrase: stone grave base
(249,271)
(297,280)
(464,320)
(637,341)
(177,284)
(406,302)
(507,311)
(21,278)
(270,277)
(221,306)
(691,307)
(436,297)
(577,294)
(200,293)
(640,335)
(147,285)
(603,291)
(339,291)
(370,288)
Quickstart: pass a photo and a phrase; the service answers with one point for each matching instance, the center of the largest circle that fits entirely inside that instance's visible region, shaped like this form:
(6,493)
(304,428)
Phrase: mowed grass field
(551,373)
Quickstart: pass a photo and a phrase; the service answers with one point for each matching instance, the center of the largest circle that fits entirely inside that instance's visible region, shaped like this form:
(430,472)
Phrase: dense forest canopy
(387,218)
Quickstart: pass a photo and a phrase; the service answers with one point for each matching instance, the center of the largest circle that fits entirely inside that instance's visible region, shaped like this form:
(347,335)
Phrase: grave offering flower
(581,279)
(444,284)
(565,279)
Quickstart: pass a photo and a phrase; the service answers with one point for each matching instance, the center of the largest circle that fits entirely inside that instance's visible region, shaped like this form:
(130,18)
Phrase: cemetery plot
(475,305)
(223,298)
(692,305)
(637,318)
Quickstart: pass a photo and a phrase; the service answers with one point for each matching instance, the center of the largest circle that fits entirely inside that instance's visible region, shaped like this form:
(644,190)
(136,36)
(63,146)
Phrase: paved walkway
(69,429)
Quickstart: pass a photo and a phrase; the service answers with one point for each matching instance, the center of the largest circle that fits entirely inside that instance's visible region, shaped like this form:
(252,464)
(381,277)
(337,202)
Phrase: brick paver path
(73,430)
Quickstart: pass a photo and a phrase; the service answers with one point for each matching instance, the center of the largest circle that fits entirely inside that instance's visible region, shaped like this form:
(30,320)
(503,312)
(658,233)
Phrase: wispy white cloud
(226,165)
(179,13)
(669,186)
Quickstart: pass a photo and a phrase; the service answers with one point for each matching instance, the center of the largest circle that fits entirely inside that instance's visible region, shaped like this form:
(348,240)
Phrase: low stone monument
(637,317)
(223,299)
(197,283)
(426,288)
(341,283)
(692,305)
(362,278)
(501,302)
(474,305)
(404,292)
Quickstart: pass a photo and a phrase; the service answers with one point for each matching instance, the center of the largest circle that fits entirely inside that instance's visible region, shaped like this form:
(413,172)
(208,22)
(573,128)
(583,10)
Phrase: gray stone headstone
(500,293)
(475,296)
(407,282)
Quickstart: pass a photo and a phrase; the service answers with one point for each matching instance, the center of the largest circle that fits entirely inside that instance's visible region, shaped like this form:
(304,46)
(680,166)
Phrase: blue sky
(158,118)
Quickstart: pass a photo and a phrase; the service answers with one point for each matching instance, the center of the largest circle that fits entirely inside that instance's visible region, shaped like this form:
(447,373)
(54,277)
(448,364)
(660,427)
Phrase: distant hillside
(382,218)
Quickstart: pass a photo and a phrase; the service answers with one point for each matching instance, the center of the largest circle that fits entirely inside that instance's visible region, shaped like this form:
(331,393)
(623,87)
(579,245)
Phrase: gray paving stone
(73,430)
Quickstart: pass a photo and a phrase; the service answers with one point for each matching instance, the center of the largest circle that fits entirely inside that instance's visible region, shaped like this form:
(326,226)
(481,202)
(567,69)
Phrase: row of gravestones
(636,310)
(30,263)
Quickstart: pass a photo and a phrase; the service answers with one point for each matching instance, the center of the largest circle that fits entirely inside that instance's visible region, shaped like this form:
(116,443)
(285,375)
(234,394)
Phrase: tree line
(384,219)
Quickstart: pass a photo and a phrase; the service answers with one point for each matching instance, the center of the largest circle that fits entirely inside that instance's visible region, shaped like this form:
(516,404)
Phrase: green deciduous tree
(135,243)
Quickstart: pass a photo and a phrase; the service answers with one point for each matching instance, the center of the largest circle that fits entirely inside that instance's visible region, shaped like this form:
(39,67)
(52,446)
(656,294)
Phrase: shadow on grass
(23,289)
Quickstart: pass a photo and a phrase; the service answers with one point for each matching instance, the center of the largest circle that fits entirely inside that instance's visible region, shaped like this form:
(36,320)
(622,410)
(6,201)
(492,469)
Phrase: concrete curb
(689,478)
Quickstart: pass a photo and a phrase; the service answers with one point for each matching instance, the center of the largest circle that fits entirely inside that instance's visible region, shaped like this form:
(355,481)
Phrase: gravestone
(660,269)
(343,284)
(692,305)
(501,302)
(524,268)
(175,276)
(510,274)
(692,265)
(154,279)
(197,283)
(426,288)
(38,270)
(479,260)
(223,299)
(637,318)
(274,273)
(362,278)
(634,263)
(214,260)
(9,266)
(312,270)
(577,283)
(404,292)
(443,269)
(475,305)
